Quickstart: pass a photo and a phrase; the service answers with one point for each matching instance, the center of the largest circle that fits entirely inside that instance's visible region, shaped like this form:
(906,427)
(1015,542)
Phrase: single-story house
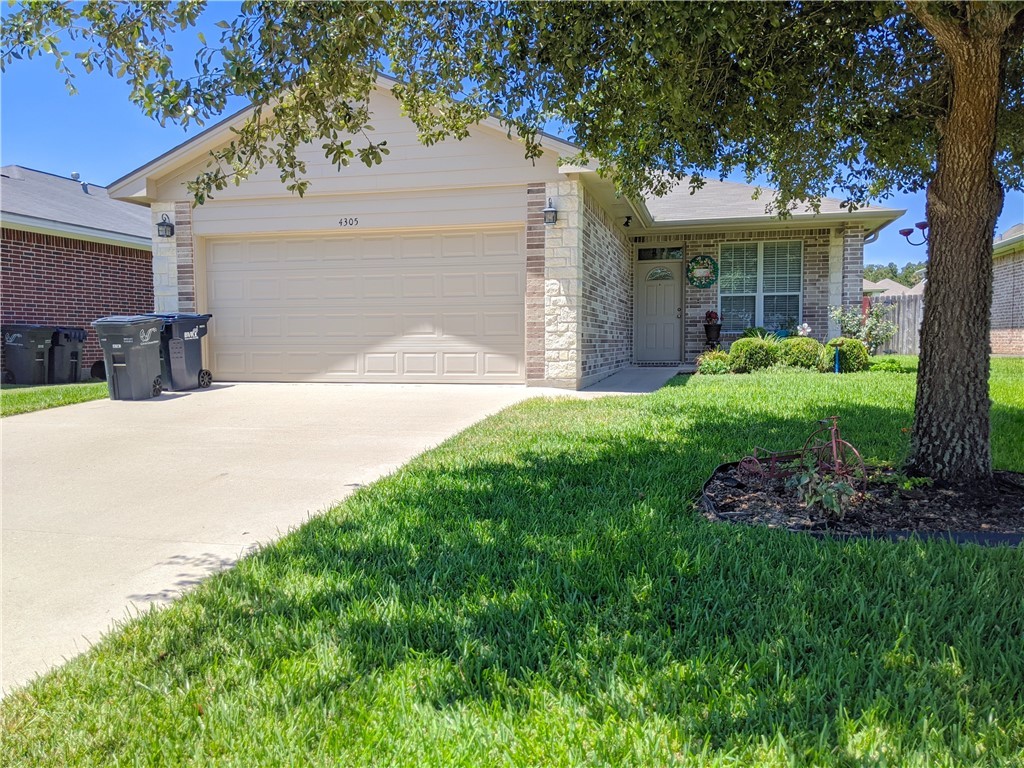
(1008,292)
(437,266)
(71,254)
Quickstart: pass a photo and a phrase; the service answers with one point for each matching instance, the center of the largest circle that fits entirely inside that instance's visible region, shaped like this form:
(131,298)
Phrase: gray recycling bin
(26,353)
(181,350)
(65,357)
(131,354)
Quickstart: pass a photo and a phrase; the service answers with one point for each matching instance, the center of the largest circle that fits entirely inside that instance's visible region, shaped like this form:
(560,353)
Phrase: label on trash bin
(14,339)
(192,335)
(146,336)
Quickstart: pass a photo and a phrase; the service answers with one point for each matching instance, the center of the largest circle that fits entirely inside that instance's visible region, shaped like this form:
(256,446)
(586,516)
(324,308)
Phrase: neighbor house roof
(885,287)
(1011,241)
(44,202)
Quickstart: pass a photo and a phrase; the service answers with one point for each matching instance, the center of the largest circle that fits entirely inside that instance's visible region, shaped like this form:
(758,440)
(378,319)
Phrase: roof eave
(61,229)
(874,220)
(1004,247)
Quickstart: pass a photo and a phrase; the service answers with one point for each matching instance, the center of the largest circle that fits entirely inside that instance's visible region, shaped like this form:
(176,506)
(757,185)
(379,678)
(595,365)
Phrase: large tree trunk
(951,423)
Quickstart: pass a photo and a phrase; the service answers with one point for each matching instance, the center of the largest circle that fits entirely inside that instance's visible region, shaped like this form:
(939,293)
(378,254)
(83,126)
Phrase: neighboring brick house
(1008,292)
(437,266)
(70,254)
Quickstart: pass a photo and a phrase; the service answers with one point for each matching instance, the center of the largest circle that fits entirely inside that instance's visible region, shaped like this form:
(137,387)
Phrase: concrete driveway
(109,507)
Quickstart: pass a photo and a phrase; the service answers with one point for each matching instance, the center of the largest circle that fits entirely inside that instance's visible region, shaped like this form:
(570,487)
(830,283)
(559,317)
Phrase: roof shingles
(58,200)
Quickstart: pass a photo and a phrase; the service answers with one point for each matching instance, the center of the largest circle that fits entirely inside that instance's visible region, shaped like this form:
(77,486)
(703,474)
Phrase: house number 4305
(348,221)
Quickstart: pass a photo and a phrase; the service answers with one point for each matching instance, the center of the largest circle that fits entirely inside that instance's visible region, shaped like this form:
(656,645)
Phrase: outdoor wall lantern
(628,221)
(164,228)
(550,213)
(923,226)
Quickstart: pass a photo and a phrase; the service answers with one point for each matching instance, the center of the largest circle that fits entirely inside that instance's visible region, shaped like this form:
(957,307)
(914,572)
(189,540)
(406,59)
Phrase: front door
(659,312)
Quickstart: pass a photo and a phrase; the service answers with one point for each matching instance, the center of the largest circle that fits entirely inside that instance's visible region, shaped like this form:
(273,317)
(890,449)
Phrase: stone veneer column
(563,288)
(185,256)
(165,262)
(536,199)
(853,267)
(174,284)
(836,277)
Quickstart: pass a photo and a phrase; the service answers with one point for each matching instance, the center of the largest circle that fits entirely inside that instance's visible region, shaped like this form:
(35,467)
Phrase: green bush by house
(753,354)
(853,356)
(714,362)
(800,351)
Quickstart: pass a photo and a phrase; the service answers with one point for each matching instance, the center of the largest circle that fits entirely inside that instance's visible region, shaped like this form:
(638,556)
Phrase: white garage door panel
(406,307)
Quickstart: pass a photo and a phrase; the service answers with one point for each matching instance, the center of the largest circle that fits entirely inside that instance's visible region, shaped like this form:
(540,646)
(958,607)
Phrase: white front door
(659,312)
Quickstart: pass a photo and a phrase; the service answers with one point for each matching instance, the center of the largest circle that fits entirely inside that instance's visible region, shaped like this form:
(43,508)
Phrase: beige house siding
(607,310)
(1008,304)
(486,157)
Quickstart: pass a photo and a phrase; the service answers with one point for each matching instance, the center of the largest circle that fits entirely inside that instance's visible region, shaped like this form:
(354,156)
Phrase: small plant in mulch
(817,489)
(821,488)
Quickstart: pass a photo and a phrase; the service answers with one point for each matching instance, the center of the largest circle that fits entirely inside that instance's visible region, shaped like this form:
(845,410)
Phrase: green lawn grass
(539,591)
(15,399)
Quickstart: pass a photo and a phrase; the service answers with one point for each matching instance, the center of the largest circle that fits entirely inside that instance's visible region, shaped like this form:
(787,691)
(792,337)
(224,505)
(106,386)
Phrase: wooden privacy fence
(907,312)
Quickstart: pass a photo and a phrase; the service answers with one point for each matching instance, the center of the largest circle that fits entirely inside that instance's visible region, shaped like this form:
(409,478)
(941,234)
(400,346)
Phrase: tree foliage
(821,98)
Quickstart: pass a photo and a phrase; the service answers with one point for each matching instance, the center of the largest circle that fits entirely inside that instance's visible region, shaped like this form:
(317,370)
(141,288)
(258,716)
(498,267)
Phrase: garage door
(410,307)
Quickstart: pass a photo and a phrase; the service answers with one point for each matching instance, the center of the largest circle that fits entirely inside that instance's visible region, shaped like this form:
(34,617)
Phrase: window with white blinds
(759,284)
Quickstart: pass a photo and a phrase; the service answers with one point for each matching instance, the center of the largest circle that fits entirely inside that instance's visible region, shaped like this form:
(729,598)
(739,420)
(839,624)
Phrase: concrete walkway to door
(109,507)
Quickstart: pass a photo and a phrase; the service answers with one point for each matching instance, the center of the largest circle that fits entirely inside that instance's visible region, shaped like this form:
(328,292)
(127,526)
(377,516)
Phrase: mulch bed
(979,514)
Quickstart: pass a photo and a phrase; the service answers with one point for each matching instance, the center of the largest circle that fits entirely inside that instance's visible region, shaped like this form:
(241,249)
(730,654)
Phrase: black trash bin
(131,354)
(26,353)
(181,350)
(66,355)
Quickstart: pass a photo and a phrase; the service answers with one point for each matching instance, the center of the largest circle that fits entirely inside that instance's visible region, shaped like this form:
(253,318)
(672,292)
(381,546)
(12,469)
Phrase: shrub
(801,351)
(755,332)
(871,327)
(753,354)
(887,364)
(713,363)
(853,356)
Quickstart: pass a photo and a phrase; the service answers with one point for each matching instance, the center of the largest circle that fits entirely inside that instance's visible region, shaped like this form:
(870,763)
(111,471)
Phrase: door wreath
(702,271)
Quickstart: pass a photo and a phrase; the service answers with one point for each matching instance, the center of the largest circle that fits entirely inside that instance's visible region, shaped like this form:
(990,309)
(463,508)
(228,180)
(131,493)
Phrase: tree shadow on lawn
(584,570)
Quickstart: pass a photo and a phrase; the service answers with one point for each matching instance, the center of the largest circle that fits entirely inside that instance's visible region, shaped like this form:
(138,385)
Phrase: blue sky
(103,136)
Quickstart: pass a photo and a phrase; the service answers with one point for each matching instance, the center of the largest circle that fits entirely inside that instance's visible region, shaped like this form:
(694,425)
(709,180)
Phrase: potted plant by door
(712,328)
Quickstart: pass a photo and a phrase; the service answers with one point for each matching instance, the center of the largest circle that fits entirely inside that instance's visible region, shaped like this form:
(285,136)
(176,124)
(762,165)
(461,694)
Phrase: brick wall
(697,301)
(45,279)
(1008,304)
(606,344)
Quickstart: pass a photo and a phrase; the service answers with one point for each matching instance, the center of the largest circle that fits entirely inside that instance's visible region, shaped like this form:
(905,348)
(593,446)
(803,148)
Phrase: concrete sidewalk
(111,506)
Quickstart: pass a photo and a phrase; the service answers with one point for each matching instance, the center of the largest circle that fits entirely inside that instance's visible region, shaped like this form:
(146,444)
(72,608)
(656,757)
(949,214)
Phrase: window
(760,284)
(651,254)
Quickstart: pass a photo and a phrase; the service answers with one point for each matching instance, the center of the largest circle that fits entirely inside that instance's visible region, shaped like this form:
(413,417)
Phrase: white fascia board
(60,229)
(873,221)
(132,186)
(1006,247)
